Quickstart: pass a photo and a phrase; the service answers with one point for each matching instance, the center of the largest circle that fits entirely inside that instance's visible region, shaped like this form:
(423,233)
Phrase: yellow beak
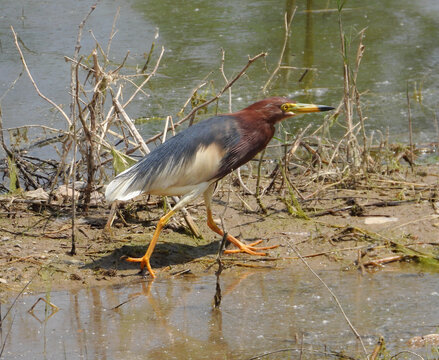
(298,108)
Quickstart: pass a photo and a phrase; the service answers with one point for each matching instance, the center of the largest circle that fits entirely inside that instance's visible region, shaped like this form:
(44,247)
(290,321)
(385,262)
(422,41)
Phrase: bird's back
(191,157)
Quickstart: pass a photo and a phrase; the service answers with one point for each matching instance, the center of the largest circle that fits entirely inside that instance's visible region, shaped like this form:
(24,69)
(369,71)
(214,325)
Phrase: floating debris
(376,220)
(421,341)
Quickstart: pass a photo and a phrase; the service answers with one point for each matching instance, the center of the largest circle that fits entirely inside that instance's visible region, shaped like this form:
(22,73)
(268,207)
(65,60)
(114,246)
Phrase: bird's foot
(144,262)
(250,248)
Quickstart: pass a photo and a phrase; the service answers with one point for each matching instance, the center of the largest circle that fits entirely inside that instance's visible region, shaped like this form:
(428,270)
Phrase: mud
(364,235)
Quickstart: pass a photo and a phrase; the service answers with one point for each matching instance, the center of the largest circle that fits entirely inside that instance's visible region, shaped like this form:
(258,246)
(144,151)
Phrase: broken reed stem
(73,168)
(360,52)
(189,220)
(287,24)
(74,87)
(194,91)
(351,151)
(112,33)
(357,335)
(129,123)
(146,80)
(75,102)
(216,97)
(409,114)
(223,59)
(241,182)
(89,132)
(287,157)
(165,131)
(298,211)
(148,58)
(258,182)
(377,349)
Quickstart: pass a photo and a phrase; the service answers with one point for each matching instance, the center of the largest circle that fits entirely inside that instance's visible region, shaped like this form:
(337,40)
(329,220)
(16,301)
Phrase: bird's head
(276,109)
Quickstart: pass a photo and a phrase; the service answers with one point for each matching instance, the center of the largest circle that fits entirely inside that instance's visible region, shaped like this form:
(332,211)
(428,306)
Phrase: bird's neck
(257,130)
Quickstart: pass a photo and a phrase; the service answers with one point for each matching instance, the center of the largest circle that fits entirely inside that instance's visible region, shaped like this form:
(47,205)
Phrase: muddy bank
(377,223)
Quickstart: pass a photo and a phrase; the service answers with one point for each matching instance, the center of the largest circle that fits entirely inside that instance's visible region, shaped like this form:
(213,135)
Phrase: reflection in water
(308,55)
(260,312)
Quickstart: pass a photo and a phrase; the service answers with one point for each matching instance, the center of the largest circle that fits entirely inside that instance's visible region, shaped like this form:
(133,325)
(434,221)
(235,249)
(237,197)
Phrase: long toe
(251,249)
(244,250)
(144,262)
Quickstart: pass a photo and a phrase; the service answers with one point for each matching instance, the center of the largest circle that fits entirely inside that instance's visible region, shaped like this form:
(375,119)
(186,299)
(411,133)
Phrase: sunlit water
(260,312)
(401,51)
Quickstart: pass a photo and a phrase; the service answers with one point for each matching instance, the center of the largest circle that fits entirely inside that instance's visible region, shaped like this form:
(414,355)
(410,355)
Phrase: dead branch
(216,97)
(287,23)
(23,61)
(147,78)
(128,122)
(380,262)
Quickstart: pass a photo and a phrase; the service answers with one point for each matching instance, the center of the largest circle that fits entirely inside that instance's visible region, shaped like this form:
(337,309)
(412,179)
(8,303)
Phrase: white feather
(174,180)
(119,189)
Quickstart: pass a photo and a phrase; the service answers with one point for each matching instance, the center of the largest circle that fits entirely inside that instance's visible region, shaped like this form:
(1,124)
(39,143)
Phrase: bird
(190,163)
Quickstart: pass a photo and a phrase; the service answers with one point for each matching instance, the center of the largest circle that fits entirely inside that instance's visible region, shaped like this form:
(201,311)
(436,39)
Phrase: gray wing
(192,157)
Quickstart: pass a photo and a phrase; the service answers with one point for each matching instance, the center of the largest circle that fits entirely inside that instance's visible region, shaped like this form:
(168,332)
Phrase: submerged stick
(217,298)
(357,335)
(12,306)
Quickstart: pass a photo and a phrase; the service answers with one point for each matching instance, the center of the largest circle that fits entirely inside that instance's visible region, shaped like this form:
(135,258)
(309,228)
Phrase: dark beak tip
(325,108)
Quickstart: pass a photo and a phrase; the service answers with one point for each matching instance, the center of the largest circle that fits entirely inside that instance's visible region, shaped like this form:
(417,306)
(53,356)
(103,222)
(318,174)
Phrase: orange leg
(249,249)
(144,261)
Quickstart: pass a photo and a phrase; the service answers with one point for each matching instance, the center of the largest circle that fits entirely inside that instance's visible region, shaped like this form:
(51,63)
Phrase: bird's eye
(284,107)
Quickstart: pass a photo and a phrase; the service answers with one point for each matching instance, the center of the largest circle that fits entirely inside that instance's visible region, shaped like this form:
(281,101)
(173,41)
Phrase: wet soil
(381,222)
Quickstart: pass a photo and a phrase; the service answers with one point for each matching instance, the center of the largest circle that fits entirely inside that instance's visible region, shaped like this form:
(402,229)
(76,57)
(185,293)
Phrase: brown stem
(216,97)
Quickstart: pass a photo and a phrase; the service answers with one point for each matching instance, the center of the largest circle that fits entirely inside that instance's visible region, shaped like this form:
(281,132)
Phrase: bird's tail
(123,187)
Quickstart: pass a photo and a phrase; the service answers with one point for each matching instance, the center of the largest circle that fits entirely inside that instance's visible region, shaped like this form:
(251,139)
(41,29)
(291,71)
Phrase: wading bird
(190,163)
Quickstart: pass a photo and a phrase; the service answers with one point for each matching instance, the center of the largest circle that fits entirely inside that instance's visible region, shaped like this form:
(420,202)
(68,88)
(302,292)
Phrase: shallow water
(401,50)
(261,311)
